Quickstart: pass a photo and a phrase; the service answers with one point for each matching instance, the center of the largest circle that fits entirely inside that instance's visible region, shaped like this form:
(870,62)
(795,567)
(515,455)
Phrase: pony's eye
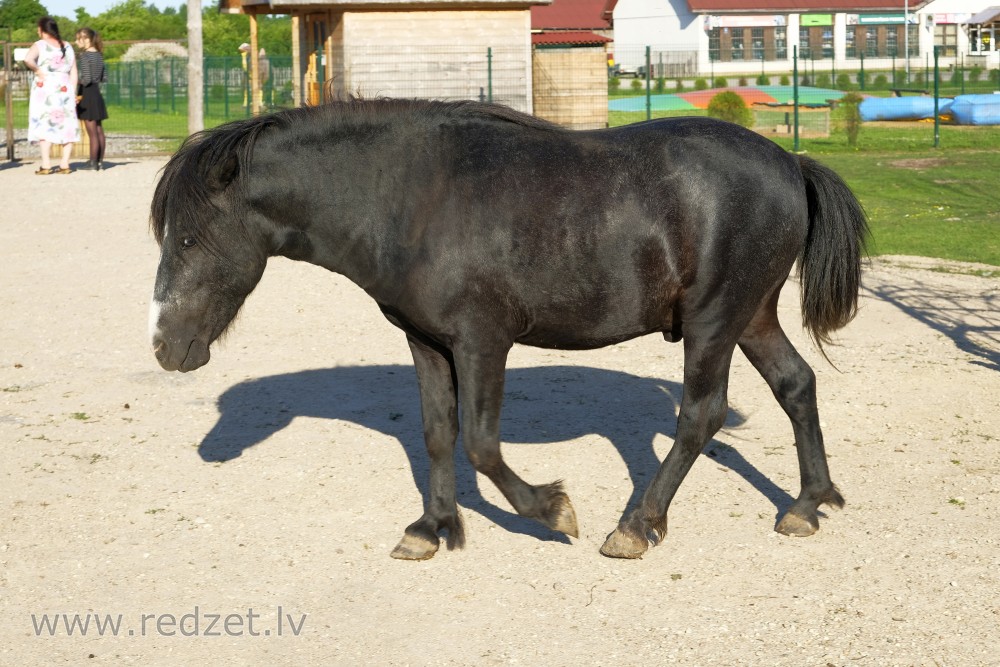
(189,242)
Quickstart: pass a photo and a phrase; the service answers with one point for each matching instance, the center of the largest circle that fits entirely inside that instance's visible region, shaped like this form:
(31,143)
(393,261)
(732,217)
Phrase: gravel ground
(195,507)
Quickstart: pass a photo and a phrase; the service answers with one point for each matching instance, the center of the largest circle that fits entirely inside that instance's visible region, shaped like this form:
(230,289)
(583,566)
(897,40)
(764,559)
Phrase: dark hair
(48,25)
(91,34)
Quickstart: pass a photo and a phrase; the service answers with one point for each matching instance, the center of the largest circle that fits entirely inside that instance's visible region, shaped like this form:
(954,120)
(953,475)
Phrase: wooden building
(442,49)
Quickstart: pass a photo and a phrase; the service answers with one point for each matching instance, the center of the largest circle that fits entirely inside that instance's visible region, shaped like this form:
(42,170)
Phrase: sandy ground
(189,509)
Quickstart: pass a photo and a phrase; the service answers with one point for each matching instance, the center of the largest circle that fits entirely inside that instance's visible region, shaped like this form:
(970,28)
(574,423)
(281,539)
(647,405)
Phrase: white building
(739,36)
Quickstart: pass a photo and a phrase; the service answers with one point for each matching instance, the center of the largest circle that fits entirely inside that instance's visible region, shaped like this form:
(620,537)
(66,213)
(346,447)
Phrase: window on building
(871,42)
(737,44)
(850,42)
(757,43)
(946,36)
(780,43)
(891,43)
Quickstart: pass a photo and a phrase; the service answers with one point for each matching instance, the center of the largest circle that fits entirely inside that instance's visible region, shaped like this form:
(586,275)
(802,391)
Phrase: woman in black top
(90,106)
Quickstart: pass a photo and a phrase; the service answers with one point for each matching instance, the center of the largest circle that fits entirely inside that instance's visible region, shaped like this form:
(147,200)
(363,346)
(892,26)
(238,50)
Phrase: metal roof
(985,16)
(569,38)
(573,15)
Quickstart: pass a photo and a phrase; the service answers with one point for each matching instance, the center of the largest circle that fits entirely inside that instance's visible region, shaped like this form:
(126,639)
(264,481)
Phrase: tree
(21,15)
(730,106)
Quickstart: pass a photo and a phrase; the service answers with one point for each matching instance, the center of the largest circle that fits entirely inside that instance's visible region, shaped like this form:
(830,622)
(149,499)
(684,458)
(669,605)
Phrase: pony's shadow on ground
(541,405)
(972,323)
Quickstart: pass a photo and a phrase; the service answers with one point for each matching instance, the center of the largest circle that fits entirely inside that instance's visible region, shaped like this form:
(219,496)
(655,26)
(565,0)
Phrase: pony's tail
(830,263)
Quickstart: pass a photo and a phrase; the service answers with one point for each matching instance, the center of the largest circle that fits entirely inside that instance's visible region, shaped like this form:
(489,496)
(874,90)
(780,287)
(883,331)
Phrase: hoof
(796,525)
(620,545)
(559,514)
(565,519)
(413,547)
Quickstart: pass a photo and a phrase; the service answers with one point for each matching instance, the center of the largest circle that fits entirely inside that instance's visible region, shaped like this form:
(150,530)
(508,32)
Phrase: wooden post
(296,60)
(255,92)
(196,73)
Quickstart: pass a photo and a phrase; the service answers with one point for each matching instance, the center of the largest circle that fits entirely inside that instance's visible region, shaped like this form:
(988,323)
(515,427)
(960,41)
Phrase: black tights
(95,131)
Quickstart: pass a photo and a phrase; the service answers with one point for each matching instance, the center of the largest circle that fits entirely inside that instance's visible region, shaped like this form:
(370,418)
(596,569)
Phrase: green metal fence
(147,101)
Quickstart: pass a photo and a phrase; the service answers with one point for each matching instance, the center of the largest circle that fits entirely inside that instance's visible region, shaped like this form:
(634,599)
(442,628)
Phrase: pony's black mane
(186,181)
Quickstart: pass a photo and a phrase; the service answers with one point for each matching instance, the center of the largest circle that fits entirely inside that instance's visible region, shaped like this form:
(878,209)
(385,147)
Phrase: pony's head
(210,256)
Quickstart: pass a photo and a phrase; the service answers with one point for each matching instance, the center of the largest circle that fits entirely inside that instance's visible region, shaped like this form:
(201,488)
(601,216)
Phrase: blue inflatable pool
(976,109)
(900,108)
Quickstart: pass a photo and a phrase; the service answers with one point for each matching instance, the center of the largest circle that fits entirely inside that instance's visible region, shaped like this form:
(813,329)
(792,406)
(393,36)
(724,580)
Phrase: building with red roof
(572,22)
(740,36)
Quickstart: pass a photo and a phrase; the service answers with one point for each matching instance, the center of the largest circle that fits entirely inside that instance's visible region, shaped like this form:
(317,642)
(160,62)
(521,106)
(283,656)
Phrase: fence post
(861,76)
(173,81)
(795,97)
(225,87)
(9,95)
(156,82)
(649,100)
(937,78)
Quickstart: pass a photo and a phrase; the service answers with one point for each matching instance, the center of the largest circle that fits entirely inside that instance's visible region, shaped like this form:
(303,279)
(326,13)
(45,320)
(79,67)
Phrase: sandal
(42,171)
(61,170)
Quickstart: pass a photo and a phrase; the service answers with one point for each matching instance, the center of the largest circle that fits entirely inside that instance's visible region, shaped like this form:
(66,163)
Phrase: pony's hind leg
(480,373)
(438,404)
(794,386)
(703,411)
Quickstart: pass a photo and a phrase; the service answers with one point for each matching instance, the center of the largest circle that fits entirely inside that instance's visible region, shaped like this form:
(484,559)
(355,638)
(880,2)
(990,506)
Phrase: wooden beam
(255,92)
(296,60)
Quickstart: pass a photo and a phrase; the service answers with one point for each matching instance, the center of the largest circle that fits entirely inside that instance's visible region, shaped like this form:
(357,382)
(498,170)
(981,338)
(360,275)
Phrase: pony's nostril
(159,348)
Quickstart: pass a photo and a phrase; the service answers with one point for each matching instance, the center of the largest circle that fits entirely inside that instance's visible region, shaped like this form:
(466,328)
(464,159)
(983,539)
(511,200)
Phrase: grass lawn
(921,201)
(928,203)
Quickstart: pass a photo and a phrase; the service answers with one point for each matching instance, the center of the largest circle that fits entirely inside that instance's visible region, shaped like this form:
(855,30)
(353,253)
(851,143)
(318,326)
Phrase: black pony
(475,227)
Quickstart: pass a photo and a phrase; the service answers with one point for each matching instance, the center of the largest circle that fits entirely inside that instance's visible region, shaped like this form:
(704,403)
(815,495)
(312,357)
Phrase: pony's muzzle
(179,357)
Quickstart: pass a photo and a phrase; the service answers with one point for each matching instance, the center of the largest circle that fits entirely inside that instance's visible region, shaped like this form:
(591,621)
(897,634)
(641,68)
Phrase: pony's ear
(221,174)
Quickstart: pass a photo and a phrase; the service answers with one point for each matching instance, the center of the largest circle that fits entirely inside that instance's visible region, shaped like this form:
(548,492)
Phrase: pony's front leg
(435,376)
(480,375)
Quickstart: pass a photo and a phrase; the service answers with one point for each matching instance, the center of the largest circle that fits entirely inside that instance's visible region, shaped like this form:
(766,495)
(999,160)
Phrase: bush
(852,117)
(863,79)
(823,80)
(637,84)
(700,84)
(614,85)
(153,51)
(680,86)
(217,93)
(743,81)
(844,82)
(731,107)
(881,81)
(806,81)
(958,77)
(763,80)
(995,77)
(919,79)
(975,73)
(720,82)
(784,80)
(660,85)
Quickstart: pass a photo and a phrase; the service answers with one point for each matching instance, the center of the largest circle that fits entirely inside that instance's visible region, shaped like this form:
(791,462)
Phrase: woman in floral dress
(52,106)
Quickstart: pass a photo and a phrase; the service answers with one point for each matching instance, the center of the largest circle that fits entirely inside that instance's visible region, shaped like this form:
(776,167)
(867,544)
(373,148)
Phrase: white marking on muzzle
(154,318)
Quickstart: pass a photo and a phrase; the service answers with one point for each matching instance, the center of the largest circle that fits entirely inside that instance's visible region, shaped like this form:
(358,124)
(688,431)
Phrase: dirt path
(281,475)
